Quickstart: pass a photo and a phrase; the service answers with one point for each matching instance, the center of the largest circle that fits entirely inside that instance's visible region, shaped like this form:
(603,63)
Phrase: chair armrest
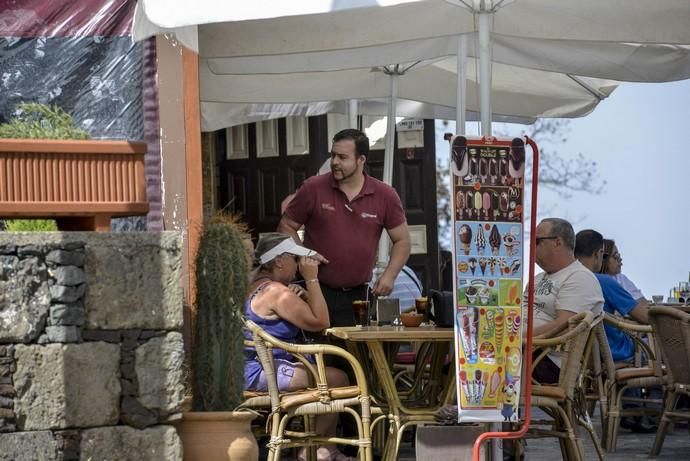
(627,325)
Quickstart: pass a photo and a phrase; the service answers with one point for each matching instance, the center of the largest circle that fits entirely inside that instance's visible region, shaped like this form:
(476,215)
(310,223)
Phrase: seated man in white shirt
(564,289)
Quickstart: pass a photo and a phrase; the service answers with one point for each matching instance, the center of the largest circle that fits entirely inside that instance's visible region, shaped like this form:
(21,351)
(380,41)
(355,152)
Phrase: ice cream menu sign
(487,187)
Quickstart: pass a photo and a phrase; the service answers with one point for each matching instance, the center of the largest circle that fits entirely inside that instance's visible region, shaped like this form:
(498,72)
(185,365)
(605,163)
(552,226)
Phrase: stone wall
(90,350)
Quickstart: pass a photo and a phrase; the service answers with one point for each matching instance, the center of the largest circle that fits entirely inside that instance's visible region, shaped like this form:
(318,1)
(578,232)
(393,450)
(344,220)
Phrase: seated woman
(283,309)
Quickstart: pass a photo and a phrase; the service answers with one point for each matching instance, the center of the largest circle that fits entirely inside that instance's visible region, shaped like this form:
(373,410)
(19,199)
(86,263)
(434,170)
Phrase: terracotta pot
(218,436)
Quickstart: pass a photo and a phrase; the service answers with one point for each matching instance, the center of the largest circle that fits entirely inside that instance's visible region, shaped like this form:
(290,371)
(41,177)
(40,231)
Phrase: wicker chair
(617,378)
(311,402)
(558,401)
(672,333)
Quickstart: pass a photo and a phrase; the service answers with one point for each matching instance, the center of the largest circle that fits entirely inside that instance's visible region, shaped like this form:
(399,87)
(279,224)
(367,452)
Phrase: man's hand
(384,285)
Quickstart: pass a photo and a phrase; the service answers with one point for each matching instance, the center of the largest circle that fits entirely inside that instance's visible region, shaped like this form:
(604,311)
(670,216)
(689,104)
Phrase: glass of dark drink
(360,311)
(422,306)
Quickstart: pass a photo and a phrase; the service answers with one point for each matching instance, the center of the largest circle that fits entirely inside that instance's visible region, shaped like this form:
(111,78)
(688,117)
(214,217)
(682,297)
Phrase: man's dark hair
(588,242)
(563,229)
(360,139)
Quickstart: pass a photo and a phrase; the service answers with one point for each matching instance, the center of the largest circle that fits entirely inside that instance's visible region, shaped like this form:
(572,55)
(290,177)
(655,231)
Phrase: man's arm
(560,320)
(400,252)
(640,312)
(290,227)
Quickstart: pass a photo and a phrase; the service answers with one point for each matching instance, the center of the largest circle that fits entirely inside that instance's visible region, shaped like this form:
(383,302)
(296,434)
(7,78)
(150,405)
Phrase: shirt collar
(367,187)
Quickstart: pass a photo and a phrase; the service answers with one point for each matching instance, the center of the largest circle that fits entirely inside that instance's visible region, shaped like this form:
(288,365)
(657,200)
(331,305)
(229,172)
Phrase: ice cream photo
(465,236)
(494,240)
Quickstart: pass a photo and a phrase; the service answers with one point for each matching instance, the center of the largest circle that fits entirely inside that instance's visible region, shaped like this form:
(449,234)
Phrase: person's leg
(325,423)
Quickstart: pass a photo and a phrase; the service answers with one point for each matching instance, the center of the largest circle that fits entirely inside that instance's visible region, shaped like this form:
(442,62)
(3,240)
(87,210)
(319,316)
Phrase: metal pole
(461,99)
(388,159)
(485,71)
(352,113)
(389,156)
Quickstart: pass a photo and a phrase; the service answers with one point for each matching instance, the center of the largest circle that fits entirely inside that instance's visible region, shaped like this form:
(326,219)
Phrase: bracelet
(311,280)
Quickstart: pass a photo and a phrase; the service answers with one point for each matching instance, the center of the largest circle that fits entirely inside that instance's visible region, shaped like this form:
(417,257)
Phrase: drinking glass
(360,311)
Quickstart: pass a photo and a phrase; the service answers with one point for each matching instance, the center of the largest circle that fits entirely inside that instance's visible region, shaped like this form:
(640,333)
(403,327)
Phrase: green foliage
(30,225)
(39,121)
(222,270)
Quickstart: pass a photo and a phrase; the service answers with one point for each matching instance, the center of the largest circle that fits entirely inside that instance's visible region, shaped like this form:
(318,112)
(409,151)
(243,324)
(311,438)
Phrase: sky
(636,136)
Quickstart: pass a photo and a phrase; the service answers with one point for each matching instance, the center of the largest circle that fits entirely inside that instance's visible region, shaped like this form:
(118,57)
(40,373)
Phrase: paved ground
(630,446)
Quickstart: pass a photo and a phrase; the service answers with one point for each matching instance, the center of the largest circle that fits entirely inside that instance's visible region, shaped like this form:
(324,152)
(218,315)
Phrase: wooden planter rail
(81,184)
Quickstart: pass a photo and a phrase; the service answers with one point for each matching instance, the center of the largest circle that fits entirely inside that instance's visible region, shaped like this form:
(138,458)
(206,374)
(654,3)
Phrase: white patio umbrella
(426,88)
(600,38)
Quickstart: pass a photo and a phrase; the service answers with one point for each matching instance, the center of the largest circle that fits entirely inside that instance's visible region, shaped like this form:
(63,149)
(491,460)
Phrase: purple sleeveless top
(278,328)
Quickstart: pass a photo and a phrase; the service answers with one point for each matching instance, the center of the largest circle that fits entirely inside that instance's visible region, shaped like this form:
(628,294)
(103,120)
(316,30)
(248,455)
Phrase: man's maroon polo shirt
(345,232)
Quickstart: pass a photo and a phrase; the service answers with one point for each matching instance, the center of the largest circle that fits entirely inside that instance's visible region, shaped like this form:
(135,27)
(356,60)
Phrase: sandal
(329,453)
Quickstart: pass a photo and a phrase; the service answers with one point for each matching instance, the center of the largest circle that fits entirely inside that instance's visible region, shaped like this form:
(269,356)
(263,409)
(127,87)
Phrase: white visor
(286,246)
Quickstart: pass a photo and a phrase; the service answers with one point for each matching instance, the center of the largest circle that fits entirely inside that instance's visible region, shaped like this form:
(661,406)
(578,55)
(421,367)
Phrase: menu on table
(487,185)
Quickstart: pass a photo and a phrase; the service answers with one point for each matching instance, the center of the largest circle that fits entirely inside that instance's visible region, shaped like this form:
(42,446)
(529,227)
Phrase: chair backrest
(671,328)
(571,341)
(316,368)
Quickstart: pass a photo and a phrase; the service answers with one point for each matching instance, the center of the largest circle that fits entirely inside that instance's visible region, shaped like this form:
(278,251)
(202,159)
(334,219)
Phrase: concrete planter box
(80,183)
(449,443)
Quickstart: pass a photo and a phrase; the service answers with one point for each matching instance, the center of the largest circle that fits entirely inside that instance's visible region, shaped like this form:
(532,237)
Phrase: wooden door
(262,163)
(259,165)
(414,177)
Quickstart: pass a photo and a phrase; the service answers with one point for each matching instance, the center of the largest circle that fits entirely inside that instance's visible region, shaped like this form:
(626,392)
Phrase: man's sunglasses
(538,240)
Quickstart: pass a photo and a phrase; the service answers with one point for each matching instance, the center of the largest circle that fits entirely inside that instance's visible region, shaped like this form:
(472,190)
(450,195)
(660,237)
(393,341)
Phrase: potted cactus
(221,269)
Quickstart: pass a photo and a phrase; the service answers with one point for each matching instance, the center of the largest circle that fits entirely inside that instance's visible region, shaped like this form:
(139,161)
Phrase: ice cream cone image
(510,242)
(499,332)
(482,265)
(495,240)
(495,383)
(465,236)
(509,324)
(492,264)
(480,240)
(472,264)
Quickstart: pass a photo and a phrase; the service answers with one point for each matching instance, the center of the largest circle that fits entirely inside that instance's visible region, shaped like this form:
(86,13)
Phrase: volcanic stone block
(134,281)
(28,446)
(70,385)
(66,258)
(126,443)
(158,365)
(24,298)
(68,275)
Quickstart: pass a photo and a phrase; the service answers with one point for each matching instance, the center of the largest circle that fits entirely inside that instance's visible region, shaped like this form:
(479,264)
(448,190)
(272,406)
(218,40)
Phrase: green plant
(30,225)
(40,121)
(221,286)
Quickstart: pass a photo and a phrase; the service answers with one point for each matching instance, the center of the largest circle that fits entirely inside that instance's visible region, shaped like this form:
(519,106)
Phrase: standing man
(344,213)
(564,289)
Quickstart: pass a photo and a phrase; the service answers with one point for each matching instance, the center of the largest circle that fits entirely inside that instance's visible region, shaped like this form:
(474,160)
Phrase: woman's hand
(308,267)
(299,291)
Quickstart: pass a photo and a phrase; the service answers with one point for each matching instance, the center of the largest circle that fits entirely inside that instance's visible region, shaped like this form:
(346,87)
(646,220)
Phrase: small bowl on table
(411,319)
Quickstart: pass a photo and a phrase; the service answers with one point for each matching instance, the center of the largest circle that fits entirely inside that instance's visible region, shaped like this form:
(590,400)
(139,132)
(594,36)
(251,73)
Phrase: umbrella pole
(461,98)
(388,157)
(485,72)
(390,131)
(352,113)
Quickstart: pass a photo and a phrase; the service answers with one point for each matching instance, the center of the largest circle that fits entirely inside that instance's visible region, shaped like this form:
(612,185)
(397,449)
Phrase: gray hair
(563,229)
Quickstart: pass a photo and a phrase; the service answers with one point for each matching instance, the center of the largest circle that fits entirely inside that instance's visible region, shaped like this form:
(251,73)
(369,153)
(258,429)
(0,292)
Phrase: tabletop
(392,334)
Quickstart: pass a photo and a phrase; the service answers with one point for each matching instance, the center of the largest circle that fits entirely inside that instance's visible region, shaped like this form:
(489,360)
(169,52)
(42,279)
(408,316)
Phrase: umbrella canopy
(609,39)
(518,93)
(265,27)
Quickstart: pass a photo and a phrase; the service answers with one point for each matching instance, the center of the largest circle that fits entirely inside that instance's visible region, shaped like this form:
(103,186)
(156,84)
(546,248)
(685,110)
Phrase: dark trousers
(339,301)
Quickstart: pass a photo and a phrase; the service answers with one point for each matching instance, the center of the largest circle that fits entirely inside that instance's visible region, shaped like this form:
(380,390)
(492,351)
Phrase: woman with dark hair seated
(282,309)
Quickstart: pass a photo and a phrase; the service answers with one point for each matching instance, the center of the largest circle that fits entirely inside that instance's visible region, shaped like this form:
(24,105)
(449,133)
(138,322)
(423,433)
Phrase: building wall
(91,352)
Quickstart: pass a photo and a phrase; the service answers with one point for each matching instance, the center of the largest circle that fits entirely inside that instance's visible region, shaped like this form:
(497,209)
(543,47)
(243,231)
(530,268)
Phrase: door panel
(255,186)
